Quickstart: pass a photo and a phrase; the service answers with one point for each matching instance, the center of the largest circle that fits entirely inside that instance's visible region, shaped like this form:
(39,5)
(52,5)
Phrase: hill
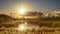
(5,18)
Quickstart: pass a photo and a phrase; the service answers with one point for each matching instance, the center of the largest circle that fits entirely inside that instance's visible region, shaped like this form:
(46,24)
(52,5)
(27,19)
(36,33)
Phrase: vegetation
(47,22)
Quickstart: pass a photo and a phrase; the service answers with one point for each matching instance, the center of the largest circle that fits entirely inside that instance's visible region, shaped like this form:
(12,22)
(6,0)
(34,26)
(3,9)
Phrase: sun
(22,11)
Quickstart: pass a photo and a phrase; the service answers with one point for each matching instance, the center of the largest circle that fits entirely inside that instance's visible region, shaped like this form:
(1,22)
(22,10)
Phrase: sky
(44,6)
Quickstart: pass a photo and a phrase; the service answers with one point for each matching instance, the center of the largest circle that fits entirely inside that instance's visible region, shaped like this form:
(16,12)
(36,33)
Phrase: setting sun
(22,11)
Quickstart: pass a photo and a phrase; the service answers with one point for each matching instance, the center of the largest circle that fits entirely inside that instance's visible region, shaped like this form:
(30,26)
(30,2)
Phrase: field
(10,25)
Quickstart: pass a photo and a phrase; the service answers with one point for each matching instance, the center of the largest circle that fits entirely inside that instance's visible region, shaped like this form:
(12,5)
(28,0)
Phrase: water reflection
(27,28)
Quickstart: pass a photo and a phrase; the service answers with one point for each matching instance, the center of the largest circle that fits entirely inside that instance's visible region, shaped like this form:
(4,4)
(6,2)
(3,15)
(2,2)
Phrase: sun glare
(22,11)
(21,27)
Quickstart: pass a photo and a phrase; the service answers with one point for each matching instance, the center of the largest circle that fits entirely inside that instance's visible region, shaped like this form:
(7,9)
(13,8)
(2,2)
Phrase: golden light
(21,27)
(22,11)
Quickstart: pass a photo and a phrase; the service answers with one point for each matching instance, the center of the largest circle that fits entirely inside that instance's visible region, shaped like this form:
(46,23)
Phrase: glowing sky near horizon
(32,5)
